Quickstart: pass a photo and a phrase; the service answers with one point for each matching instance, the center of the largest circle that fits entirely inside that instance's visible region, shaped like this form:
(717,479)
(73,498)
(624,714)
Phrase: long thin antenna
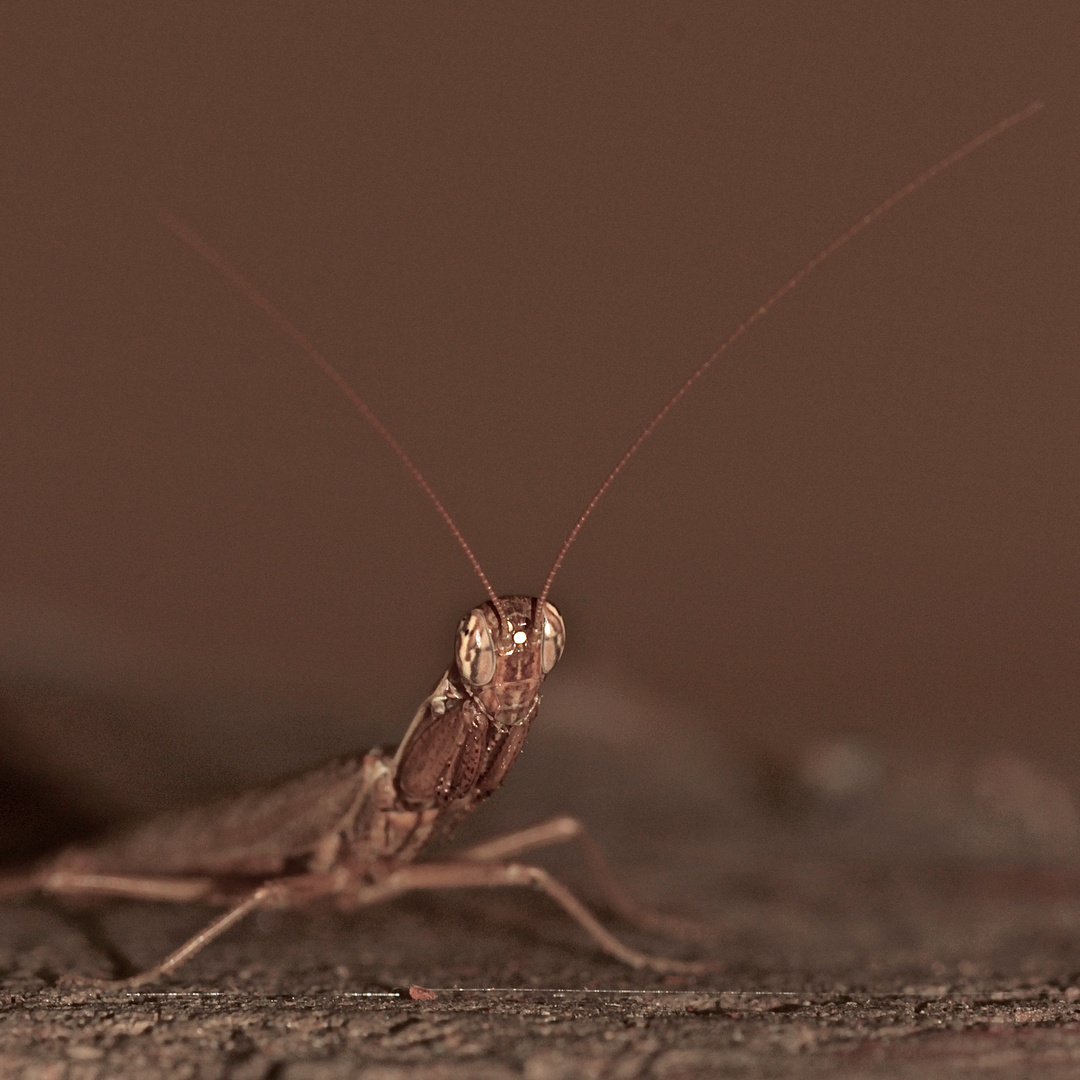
(196,242)
(867,219)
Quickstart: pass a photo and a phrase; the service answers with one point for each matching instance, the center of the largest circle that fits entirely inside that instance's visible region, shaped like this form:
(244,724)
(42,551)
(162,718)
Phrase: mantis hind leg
(615,894)
(62,883)
(483,868)
(197,942)
(282,892)
(118,886)
(57,884)
(479,873)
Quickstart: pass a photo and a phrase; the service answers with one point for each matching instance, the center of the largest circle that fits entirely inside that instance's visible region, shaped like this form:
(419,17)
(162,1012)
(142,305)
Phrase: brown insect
(351,829)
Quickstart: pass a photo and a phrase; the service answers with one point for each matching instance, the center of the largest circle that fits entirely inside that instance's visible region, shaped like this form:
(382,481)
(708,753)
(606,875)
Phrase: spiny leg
(482,874)
(175,890)
(564,829)
(198,941)
(55,885)
(283,892)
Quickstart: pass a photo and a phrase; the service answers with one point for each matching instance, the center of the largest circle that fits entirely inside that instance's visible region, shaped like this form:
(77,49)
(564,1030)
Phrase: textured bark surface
(543,1036)
(838,973)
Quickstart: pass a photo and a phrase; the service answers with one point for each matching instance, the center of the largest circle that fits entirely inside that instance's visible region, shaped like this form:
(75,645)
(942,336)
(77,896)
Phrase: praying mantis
(351,830)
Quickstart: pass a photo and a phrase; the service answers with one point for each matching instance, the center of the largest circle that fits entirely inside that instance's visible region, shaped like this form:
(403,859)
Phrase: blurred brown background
(517,228)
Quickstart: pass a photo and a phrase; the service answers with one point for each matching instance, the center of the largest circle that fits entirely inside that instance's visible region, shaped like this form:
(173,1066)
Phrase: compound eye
(475,651)
(554,637)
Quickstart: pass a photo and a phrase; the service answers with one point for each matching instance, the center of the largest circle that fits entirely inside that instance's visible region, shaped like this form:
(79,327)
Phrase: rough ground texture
(865,917)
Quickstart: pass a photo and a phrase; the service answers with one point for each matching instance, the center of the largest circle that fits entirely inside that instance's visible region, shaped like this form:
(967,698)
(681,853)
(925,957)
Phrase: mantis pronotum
(351,829)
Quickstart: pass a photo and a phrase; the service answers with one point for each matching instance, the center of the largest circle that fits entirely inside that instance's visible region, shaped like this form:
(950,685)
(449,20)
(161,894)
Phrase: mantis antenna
(194,241)
(830,249)
(218,261)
